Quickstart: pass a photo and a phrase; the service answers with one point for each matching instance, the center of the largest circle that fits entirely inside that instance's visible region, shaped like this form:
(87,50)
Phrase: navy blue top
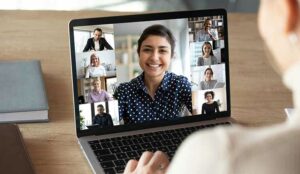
(103,120)
(137,106)
(210,109)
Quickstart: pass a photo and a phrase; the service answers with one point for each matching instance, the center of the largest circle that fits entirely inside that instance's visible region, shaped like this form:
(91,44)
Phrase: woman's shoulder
(123,85)
(125,88)
(179,79)
(181,83)
(175,76)
(130,84)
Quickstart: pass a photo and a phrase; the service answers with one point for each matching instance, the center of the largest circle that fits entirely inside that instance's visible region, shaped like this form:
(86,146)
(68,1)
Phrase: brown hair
(209,92)
(157,30)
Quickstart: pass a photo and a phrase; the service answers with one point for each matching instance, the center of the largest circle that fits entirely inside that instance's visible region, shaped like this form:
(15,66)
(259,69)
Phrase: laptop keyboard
(114,153)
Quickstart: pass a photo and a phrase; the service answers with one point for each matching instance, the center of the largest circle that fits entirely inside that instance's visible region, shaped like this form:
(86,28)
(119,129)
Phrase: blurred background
(130,5)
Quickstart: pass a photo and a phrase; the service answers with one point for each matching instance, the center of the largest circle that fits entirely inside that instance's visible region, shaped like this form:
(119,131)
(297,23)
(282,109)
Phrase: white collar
(291,79)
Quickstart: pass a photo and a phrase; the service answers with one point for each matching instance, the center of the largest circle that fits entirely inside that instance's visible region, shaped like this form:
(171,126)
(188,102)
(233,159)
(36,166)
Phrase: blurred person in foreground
(269,150)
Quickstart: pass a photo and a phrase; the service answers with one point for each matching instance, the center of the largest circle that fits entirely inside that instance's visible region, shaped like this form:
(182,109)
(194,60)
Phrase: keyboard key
(106,158)
(132,154)
(106,145)
(175,135)
(166,142)
(147,139)
(176,141)
(108,164)
(146,146)
(116,143)
(121,156)
(135,141)
(114,139)
(119,162)
(139,140)
(125,148)
(164,149)
(157,137)
(104,140)
(168,136)
(154,149)
(127,142)
(172,148)
(109,171)
(156,144)
(140,152)
(102,152)
(96,146)
(120,169)
(185,133)
(136,147)
(115,150)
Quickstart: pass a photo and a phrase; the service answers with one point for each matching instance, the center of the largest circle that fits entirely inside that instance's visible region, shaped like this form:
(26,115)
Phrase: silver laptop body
(119,60)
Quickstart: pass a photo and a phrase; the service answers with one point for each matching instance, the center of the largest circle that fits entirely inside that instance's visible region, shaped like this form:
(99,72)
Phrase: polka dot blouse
(137,106)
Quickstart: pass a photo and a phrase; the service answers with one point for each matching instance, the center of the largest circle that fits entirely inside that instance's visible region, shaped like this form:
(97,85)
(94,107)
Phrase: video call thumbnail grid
(107,57)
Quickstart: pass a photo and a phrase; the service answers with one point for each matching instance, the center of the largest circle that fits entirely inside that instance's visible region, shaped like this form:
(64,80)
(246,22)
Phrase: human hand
(156,163)
(208,32)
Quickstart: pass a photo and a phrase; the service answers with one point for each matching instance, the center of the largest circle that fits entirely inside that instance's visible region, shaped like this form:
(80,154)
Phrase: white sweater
(238,150)
(95,71)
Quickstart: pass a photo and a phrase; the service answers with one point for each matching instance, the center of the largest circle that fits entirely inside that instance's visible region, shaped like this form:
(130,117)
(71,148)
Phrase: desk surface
(258,96)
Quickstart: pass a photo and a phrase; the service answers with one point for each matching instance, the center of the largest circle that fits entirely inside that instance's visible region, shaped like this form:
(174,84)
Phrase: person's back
(239,150)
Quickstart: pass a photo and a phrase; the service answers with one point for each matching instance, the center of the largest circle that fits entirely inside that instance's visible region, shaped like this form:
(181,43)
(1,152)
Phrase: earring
(293,38)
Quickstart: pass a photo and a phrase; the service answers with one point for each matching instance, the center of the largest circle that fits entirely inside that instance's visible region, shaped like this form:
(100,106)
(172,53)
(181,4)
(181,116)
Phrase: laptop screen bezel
(146,17)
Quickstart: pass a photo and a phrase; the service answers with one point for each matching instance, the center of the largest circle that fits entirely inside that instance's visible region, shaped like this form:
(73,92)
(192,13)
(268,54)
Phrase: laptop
(116,118)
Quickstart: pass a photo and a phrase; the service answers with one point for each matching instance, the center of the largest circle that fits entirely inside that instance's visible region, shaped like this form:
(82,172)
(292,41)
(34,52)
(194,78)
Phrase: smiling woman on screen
(156,94)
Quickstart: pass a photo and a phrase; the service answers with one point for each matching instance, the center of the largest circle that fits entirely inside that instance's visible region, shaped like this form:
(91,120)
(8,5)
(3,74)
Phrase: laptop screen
(149,70)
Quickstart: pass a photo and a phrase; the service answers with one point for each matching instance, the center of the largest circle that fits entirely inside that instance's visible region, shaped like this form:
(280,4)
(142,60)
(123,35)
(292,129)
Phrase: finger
(130,166)
(159,161)
(145,158)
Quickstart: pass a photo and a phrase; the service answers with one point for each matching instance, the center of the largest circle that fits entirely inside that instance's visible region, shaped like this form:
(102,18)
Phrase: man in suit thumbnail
(97,43)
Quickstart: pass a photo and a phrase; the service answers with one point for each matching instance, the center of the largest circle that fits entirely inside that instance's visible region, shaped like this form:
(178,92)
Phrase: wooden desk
(258,97)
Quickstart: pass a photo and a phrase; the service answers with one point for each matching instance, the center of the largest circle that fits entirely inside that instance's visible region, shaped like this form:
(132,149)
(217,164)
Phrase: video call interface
(111,74)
